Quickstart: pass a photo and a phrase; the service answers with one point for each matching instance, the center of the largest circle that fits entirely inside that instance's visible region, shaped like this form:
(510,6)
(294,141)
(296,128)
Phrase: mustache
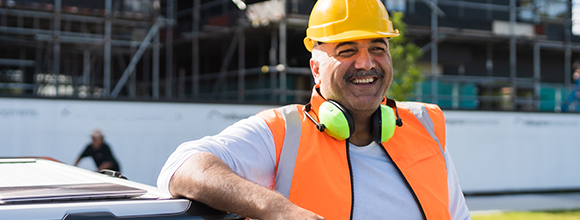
(363,73)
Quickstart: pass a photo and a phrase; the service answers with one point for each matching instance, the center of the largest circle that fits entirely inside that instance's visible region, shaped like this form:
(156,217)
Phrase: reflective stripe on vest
(286,163)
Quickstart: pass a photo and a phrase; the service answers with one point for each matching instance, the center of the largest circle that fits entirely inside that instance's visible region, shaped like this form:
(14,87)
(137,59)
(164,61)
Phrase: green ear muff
(387,123)
(336,119)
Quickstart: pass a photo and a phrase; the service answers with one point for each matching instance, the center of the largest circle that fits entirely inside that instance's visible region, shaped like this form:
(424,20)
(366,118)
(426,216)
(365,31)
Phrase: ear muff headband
(336,119)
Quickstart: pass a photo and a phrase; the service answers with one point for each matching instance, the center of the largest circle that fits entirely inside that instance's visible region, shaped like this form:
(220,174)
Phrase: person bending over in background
(100,152)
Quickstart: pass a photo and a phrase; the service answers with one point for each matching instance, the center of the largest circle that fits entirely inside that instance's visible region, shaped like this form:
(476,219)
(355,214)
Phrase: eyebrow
(376,40)
(343,44)
(379,40)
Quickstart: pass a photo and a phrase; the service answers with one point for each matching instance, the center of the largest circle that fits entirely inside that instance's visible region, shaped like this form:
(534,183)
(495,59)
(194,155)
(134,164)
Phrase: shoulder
(414,105)
(419,108)
(269,115)
(276,121)
(278,113)
(276,117)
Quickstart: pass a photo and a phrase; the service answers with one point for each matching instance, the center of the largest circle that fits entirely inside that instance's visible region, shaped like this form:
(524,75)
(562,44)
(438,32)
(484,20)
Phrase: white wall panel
(514,151)
(492,151)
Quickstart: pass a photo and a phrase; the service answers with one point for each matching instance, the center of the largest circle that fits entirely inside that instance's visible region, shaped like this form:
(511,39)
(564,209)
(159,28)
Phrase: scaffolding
(268,18)
(511,33)
(71,42)
(239,51)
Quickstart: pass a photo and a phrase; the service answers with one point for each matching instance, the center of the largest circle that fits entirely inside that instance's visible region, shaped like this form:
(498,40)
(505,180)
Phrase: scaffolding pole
(434,52)
(146,42)
(86,67)
(241,65)
(537,66)
(225,64)
(17,62)
(568,50)
(155,75)
(68,17)
(169,50)
(273,62)
(283,62)
(513,52)
(107,49)
(133,78)
(56,44)
(195,17)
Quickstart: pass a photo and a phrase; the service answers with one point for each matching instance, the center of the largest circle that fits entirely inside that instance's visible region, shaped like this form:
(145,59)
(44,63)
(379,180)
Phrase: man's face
(357,74)
(97,141)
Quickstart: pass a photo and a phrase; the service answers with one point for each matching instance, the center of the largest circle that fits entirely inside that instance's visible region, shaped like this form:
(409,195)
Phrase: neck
(362,135)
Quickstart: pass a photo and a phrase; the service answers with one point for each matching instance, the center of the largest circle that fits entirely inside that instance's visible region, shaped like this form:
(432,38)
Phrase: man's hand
(207,179)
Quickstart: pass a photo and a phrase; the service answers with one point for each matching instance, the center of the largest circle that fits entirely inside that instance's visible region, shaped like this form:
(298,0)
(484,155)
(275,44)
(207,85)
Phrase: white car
(42,188)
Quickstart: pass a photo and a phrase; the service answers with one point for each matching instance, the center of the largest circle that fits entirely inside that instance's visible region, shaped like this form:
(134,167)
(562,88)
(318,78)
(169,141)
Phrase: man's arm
(206,178)
(83,154)
(77,161)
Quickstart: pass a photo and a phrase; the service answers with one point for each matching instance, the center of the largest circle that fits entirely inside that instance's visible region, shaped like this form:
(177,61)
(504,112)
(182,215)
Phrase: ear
(314,68)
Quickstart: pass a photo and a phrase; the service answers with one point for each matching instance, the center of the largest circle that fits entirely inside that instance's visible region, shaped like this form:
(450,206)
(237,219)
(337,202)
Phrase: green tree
(405,55)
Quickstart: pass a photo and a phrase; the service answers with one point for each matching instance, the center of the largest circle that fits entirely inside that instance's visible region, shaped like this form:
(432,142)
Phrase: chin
(366,106)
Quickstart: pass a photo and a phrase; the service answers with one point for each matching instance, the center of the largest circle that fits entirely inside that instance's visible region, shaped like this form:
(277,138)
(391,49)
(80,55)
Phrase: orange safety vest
(313,169)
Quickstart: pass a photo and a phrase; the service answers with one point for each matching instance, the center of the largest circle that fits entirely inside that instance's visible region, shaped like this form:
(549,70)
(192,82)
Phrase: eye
(347,52)
(378,50)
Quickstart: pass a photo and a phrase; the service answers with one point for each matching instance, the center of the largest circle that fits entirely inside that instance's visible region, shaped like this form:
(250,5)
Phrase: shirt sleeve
(457,206)
(86,152)
(247,147)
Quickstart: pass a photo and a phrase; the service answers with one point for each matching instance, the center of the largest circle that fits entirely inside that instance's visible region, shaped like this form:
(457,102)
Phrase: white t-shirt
(248,148)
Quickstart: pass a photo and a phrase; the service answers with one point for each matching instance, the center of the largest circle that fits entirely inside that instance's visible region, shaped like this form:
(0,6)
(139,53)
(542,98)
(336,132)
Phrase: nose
(364,60)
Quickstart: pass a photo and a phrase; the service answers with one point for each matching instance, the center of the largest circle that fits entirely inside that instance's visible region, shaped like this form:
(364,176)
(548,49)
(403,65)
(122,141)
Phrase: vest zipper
(406,182)
(351,180)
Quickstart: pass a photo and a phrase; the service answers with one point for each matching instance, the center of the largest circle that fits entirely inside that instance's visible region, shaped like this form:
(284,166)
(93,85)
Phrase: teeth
(364,80)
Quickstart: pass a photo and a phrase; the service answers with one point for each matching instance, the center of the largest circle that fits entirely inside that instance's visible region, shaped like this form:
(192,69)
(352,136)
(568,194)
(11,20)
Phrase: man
(341,155)
(100,152)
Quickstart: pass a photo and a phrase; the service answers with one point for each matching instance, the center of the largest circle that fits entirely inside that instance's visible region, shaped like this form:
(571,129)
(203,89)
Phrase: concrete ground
(525,202)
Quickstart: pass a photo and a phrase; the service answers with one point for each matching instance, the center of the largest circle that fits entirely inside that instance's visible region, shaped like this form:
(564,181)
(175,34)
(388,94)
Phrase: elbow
(192,178)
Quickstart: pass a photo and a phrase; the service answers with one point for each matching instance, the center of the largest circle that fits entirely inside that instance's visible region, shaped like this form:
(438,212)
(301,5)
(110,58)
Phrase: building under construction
(477,54)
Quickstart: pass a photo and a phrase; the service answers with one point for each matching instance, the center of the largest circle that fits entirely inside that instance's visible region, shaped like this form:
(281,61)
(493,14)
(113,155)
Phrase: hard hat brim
(348,36)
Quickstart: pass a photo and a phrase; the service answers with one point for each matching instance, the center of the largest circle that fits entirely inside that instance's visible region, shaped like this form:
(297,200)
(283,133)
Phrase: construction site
(477,54)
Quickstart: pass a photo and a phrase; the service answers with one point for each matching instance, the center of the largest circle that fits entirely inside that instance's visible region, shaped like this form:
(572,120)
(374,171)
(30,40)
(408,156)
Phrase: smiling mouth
(366,80)
(359,77)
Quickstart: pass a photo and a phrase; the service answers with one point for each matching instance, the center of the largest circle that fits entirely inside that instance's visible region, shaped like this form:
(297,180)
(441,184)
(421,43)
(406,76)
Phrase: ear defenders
(337,122)
(336,119)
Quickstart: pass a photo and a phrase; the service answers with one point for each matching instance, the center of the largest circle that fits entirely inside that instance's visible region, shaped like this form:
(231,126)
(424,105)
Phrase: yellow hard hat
(346,20)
